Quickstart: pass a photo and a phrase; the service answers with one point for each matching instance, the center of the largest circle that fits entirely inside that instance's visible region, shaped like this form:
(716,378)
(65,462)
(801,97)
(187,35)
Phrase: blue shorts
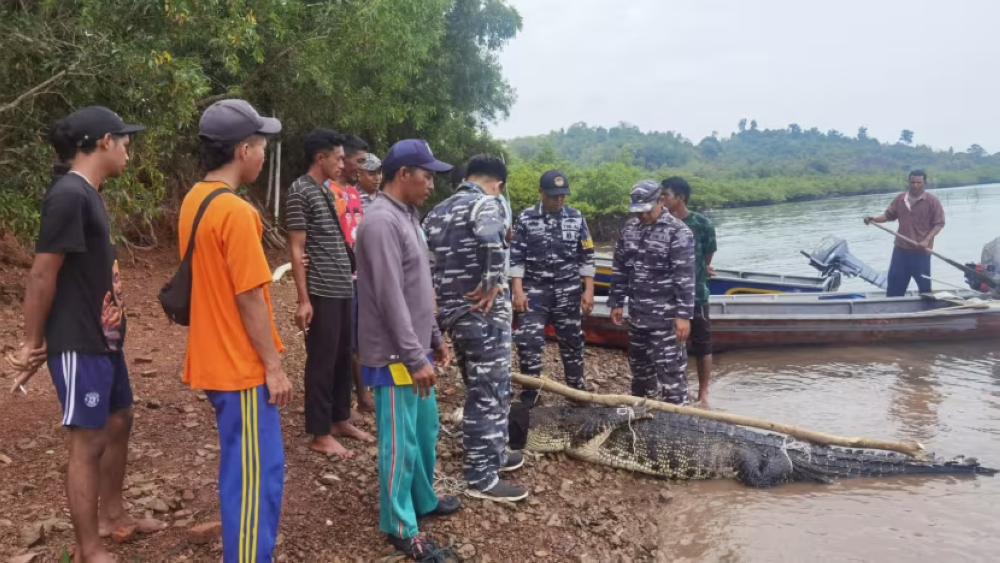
(90,387)
(354,319)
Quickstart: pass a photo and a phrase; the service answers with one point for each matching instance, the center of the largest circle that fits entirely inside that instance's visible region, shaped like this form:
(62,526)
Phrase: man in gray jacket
(399,342)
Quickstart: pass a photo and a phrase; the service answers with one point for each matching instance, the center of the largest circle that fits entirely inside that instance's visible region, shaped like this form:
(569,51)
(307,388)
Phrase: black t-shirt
(88,312)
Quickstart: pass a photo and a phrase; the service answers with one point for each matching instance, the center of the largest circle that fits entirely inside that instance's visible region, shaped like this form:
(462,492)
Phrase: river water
(947,396)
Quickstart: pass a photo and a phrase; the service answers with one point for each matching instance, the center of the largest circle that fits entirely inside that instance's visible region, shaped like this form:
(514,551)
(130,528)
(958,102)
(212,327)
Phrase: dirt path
(330,514)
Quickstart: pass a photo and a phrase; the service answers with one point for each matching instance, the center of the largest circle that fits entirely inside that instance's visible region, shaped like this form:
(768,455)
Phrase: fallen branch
(913,449)
(35,90)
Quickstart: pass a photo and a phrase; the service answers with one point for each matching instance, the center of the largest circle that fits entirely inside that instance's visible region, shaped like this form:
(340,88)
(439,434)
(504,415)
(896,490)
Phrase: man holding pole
(921,218)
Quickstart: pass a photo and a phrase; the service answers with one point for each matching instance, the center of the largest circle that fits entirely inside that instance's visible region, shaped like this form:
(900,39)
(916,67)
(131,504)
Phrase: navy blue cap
(554,182)
(413,152)
(644,196)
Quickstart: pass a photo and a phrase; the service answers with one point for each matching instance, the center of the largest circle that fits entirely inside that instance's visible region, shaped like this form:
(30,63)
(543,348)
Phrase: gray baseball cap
(644,196)
(232,120)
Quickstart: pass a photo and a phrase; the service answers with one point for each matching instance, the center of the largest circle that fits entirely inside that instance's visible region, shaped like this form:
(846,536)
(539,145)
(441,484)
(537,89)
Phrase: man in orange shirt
(233,351)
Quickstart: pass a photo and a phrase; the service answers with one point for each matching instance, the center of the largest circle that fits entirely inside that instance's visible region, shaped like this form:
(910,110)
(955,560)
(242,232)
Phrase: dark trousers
(907,264)
(329,373)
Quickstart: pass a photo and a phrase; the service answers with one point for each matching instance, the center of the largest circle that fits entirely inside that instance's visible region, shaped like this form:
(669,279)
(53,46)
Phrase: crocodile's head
(555,429)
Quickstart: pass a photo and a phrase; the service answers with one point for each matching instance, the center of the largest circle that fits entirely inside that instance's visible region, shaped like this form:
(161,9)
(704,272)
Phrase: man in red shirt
(350,210)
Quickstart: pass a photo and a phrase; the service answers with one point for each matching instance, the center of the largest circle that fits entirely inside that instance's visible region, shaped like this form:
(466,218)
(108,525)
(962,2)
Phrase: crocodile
(688,447)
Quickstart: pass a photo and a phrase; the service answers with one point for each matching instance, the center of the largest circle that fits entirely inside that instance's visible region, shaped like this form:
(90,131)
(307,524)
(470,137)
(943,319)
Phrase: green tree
(383,70)
(906,137)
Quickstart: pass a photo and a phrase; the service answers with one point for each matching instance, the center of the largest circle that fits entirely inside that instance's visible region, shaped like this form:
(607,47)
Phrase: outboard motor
(833,256)
(989,264)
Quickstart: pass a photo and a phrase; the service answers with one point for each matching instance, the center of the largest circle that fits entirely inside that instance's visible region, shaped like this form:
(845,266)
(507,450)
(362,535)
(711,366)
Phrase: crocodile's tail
(844,464)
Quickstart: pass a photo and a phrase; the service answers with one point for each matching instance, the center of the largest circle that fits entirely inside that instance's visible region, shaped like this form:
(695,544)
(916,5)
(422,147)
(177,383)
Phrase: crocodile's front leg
(762,469)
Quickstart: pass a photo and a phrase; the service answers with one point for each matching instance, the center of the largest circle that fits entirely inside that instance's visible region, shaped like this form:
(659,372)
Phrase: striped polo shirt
(308,208)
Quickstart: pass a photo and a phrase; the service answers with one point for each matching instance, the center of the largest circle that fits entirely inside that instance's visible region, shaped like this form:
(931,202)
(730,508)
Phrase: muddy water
(945,396)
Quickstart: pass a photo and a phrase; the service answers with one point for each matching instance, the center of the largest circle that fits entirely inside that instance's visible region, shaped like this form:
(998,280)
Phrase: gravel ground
(576,512)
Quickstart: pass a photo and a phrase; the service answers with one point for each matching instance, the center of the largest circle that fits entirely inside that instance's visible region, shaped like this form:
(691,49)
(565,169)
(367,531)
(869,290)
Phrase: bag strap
(328,197)
(197,219)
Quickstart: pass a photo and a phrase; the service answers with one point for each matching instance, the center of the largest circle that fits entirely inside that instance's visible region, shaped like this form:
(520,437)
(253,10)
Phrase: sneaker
(422,549)
(446,505)
(501,491)
(515,460)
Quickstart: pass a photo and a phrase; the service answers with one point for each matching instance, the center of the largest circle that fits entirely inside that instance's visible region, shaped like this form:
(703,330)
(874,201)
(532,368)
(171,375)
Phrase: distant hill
(749,167)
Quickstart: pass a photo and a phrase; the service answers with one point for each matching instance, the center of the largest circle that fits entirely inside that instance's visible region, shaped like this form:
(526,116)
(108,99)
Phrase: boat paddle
(981,275)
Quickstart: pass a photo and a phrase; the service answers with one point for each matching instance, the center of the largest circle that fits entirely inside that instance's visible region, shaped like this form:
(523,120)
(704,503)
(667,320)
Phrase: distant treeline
(750,167)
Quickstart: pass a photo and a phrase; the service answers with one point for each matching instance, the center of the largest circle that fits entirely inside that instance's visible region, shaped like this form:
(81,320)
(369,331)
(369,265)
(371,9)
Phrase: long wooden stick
(981,275)
(914,449)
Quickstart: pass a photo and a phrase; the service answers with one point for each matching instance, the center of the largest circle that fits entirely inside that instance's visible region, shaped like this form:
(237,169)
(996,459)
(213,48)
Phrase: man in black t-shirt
(74,314)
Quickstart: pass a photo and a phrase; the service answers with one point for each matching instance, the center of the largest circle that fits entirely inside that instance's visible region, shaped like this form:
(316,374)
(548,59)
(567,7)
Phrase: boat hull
(789,320)
(736,282)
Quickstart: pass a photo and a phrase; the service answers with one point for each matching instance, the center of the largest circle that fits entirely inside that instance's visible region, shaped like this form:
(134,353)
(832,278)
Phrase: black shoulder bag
(175,296)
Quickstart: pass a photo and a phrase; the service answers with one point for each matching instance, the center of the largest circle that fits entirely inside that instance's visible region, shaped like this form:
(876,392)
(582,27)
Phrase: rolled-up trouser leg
(486,352)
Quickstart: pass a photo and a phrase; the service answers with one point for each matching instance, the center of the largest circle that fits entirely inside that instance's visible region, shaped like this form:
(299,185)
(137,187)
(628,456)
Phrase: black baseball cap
(232,120)
(554,182)
(413,152)
(94,122)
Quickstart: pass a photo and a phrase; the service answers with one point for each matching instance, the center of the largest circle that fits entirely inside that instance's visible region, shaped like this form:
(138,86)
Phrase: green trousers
(407,442)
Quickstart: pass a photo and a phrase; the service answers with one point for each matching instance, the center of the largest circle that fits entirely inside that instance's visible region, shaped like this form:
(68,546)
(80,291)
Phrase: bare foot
(348,430)
(144,526)
(328,445)
(702,402)
(356,417)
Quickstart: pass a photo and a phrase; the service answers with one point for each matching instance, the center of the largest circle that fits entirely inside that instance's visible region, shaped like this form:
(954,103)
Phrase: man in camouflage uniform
(654,268)
(466,234)
(551,251)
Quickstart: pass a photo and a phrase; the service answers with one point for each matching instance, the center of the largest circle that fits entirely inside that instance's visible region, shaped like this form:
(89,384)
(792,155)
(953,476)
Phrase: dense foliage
(750,167)
(382,69)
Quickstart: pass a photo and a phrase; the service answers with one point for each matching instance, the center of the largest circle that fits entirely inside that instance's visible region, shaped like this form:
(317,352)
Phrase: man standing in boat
(551,251)
(654,268)
(921,218)
(678,193)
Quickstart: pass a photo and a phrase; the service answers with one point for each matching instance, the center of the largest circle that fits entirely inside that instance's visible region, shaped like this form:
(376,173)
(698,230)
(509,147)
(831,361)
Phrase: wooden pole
(914,449)
(981,275)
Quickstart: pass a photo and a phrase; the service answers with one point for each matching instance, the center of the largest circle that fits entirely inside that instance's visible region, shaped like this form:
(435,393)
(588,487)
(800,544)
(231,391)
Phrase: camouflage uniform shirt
(466,234)
(654,268)
(551,247)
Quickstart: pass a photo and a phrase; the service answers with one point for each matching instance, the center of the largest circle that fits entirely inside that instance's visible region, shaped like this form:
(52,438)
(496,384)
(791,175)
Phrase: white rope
(789,443)
(631,416)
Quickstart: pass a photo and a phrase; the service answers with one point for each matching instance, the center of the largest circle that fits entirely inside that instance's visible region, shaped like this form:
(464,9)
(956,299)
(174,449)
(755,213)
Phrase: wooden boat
(737,282)
(759,321)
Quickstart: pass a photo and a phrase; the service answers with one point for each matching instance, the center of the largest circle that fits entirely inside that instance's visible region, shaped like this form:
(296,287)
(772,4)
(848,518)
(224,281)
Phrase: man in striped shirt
(325,292)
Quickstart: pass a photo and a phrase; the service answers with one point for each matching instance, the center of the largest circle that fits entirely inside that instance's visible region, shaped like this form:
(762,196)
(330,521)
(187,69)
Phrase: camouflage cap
(372,163)
(644,196)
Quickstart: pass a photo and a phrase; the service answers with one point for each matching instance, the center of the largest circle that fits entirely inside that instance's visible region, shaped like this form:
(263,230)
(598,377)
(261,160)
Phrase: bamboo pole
(914,449)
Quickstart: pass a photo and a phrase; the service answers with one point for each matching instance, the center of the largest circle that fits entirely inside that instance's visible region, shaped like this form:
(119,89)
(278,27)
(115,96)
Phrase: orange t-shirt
(228,260)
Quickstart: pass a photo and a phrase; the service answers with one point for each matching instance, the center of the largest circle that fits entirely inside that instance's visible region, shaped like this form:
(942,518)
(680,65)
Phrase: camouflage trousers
(482,348)
(560,305)
(658,364)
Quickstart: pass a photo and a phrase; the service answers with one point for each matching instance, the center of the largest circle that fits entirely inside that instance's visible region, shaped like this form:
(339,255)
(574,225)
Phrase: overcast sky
(697,66)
